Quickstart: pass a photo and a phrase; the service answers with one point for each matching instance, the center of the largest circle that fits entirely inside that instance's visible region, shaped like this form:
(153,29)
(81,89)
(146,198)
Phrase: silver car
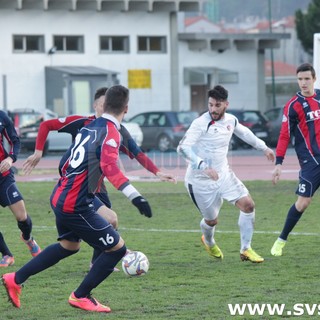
(163,130)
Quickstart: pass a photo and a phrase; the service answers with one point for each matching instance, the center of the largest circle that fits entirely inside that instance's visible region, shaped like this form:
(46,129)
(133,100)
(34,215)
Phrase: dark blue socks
(292,219)
(3,247)
(101,269)
(96,254)
(47,258)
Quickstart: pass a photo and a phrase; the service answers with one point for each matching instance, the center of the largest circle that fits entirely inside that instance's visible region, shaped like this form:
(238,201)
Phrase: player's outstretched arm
(166,177)
(31,162)
(109,167)
(132,150)
(276,174)
(269,154)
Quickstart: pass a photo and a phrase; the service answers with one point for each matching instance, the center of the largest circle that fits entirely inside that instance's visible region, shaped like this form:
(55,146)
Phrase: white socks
(246,225)
(208,233)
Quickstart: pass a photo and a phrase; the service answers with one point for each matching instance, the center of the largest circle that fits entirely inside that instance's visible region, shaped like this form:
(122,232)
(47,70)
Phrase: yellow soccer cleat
(213,251)
(250,255)
(277,247)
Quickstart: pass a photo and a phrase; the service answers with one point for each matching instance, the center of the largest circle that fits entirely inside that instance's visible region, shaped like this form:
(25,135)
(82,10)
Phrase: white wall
(25,71)
(243,94)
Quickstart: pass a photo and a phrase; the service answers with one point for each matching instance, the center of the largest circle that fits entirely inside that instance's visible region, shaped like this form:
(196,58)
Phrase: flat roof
(106,5)
(82,70)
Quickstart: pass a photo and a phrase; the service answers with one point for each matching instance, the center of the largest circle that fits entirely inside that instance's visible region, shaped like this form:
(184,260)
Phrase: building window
(114,44)
(69,43)
(23,43)
(152,44)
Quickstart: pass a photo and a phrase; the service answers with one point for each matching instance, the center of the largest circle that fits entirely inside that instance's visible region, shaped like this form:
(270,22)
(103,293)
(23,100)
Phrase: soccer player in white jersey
(209,180)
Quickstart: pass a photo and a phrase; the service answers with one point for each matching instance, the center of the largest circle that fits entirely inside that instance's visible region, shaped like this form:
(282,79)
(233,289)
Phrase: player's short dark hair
(306,67)
(100,92)
(117,98)
(218,93)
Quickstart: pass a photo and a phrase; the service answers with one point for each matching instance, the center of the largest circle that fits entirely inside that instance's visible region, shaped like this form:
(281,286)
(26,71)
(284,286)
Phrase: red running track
(253,167)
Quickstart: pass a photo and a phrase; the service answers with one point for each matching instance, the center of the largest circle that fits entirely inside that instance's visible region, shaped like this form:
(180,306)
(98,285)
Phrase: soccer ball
(135,263)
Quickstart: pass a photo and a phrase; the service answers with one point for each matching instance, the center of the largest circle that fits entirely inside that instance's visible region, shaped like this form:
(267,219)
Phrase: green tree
(307,24)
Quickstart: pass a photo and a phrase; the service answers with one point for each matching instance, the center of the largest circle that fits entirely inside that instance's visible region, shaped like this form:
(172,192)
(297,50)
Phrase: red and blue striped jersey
(301,120)
(72,125)
(93,156)
(8,132)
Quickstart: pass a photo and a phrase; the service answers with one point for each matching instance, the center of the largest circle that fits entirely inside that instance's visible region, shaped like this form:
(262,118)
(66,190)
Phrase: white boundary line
(218,231)
(44,228)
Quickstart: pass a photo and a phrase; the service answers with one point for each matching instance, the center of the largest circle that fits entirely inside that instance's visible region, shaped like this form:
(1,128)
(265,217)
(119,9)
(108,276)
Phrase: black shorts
(88,226)
(309,181)
(9,192)
(104,198)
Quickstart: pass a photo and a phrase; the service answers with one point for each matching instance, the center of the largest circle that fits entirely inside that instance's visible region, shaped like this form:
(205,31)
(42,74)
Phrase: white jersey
(208,141)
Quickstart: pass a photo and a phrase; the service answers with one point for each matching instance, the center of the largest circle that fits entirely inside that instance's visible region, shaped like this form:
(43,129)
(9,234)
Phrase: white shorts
(208,195)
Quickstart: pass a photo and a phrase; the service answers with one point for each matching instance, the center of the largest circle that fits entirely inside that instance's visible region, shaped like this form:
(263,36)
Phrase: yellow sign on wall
(139,79)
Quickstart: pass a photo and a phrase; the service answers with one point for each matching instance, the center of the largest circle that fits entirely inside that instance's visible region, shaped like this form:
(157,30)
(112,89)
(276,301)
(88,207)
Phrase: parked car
(274,117)
(255,121)
(135,131)
(27,122)
(163,130)
(58,143)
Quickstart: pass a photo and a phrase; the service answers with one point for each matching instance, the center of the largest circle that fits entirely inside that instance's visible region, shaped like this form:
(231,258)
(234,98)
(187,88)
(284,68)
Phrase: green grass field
(183,281)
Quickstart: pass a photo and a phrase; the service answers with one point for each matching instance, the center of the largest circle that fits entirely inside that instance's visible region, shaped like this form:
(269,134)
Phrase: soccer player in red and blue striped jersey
(10,195)
(94,155)
(301,121)
(72,125)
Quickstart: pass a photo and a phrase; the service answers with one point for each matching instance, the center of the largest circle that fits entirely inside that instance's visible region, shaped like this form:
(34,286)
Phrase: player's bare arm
(269,154)
(31,162)
(276,174)
(166,177)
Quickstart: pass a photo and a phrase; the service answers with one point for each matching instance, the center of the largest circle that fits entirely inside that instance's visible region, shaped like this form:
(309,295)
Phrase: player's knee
(245,204)
(109,215)
(119,249)
(248,207)
(302,203)
(212,223)
(113,219)
(70,245)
